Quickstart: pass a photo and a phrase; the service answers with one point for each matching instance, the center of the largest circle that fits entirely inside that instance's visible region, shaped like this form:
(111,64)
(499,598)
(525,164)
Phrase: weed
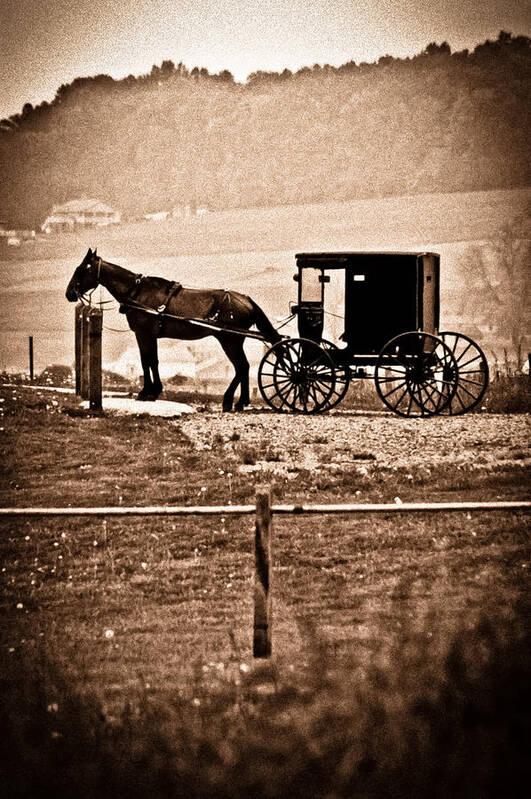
(431,716)
(248,455)
(509,394)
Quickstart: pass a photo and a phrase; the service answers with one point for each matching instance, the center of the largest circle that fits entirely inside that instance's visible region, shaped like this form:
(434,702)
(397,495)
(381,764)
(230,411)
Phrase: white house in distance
(80,213)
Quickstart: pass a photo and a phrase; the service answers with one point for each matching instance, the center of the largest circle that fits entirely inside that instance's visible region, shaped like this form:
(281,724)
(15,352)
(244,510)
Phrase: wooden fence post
(78,324)
(262,581)
(95,324)
(85,354)
(31,373)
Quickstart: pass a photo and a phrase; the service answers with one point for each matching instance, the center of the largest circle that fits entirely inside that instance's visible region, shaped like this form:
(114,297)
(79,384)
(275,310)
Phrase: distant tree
(260,76)
(255,78)
(225,76)
(167,68)
(498,278)
(434,49)
(8,125)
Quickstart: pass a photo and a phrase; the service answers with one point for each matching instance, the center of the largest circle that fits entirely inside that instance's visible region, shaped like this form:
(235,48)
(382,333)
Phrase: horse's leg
(244,380)
(157,384)
(233,349)
(147,345)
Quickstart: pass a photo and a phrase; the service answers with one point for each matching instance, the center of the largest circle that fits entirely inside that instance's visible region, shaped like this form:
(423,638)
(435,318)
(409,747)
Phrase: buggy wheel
(342,374)
(416,374)
(297,375)
(473,373)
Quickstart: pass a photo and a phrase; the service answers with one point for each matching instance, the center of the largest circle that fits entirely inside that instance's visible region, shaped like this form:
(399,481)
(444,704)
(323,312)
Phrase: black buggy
(391,334)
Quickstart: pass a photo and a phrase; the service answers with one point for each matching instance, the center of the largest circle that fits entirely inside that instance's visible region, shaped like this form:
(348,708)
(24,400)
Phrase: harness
(133,294)
(173,289)
(225,304)
(130,301)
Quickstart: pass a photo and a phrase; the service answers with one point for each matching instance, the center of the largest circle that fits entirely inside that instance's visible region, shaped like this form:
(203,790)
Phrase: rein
(83,297)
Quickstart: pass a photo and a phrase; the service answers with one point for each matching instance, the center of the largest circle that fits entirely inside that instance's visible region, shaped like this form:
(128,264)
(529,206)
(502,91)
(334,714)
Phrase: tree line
(440,121)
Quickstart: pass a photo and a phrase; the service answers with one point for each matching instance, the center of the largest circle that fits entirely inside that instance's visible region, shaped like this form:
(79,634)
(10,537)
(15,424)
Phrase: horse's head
(85,278)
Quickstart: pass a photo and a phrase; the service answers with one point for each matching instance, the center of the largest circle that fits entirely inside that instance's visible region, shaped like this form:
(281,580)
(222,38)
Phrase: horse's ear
(94,253)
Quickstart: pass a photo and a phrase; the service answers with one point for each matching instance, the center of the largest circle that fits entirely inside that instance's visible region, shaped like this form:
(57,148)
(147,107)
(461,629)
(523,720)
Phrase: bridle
(86,297)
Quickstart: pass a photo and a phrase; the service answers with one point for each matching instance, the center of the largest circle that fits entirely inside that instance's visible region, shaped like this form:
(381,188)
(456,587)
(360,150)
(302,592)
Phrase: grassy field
(400,643)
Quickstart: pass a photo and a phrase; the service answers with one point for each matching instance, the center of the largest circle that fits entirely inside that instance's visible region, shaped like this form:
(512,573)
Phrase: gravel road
(370,440)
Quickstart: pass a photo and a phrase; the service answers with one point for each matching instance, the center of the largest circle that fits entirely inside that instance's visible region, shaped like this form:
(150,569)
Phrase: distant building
(3,236)
(157,216)
(80,213)
(12,237)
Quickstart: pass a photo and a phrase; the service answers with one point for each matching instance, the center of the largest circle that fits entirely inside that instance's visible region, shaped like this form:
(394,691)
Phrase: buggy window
(311,287)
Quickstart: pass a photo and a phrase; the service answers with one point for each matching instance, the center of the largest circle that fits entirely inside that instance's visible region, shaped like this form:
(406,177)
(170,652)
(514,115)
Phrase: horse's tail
(263,324)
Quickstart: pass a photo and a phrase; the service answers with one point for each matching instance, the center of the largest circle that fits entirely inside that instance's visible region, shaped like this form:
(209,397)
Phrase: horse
(151,305)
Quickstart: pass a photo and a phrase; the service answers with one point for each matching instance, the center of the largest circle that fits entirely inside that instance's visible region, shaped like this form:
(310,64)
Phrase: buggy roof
(341,257)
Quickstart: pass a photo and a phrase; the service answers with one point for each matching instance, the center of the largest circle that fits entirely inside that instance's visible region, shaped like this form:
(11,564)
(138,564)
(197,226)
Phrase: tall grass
(433,716)
(508,393)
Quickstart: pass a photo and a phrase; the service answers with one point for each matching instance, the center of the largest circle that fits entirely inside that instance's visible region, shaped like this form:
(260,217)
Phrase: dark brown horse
(151,304)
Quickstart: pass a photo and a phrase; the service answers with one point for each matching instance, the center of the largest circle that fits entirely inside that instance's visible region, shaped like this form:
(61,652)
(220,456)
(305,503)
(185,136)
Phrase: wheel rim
(296,375)
(416,375)
(473,373)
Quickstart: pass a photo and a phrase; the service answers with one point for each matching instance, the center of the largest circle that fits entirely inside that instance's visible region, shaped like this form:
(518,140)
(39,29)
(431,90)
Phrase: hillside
(439,122)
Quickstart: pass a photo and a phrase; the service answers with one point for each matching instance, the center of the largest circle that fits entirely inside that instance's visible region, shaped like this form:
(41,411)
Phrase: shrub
(56,375)
(509,394)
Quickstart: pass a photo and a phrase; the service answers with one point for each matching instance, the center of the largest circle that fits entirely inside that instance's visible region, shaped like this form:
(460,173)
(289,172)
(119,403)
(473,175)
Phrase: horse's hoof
(241,406)
(226,408)
(146,398)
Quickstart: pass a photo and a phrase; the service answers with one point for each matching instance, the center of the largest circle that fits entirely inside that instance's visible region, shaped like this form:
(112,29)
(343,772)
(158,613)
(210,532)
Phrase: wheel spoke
(463,353)
(467,363)
(458,399)
(430,390)
(471,382)
(472,375)
(391,377)
(397,388)
(285,391)
(463,388)
(397,403)
(311,390)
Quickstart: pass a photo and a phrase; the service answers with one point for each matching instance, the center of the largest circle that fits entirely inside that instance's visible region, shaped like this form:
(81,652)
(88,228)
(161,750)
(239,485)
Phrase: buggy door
(310,309)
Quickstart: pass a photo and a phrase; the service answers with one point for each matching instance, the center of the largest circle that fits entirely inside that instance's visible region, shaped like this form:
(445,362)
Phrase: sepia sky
(45,43)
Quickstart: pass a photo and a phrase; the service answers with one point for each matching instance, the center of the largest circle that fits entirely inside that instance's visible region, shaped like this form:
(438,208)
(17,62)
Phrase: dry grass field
(400,645)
